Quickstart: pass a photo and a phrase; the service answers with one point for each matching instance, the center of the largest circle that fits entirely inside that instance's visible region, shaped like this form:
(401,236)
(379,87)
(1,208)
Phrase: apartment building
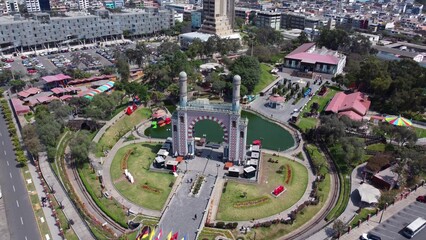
(218,17)
(33,5)
(44,30)
(290,20)
(269,19)
(83,4)
(11,6)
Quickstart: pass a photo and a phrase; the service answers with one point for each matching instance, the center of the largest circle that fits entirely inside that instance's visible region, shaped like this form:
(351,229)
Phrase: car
(369,236)
(421,199)
(23,57)
(31,71)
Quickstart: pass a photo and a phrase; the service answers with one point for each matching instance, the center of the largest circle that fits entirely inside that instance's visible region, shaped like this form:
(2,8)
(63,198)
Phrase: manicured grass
(421,132)
(362,215)
(271,180)
(121,127)
(110,206)
(318,159)
(379,147)
(212,233)
(266,78)
(306,123)
(138,165)
(279,230)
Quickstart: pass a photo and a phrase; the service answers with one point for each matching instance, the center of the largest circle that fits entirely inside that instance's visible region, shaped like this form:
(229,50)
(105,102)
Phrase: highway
(19,213)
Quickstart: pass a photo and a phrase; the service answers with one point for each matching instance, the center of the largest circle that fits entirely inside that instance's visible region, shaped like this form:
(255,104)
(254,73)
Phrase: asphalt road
(392,228)
(19,213)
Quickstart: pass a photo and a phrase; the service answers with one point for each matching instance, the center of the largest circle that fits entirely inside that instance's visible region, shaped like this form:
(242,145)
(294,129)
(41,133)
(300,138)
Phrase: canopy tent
(368,193)
(276,98)
(398,121)
(104,88)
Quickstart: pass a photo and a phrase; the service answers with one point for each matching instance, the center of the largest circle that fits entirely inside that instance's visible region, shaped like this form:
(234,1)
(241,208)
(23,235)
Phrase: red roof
(46,99)
(19,107)
(302,48)
(56,78)
(29,92)
(59,90)
(91,79)
(350,105)
(314,58)
(65,97)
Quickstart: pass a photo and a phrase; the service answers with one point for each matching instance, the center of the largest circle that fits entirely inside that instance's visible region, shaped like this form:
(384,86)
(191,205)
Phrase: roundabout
(219,197)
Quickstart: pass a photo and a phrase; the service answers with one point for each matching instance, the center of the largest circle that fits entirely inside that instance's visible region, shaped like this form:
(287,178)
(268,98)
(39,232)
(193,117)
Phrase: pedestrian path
(54,231)
(79,226)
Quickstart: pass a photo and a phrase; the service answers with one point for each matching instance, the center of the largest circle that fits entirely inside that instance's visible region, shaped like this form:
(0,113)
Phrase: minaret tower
(236,84)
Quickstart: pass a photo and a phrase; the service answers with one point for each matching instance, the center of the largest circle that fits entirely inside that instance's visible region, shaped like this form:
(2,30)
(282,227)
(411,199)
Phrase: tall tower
(218,17)
(183,98)
(236,84)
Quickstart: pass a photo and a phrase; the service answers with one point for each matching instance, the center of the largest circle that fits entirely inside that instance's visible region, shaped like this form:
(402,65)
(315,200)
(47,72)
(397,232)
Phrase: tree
(107,70)
(31,140)
(218,85)
(17,85)
(339,227)
(173,89)
(60,111)
(262,52)
(249,70)
(123,68)
(195,49)
(80,146)
(167,48)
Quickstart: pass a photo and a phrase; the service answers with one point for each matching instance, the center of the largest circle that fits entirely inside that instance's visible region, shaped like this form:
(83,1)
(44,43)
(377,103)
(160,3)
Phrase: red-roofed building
(19,106)
(56,80)
(354,105)
(29,92)
(307,58)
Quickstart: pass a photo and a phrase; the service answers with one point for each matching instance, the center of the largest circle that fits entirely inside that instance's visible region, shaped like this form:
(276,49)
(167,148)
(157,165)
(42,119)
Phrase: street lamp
(217,168)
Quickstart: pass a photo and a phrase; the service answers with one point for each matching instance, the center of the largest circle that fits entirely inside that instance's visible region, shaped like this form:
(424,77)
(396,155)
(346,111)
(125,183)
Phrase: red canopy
(257,142)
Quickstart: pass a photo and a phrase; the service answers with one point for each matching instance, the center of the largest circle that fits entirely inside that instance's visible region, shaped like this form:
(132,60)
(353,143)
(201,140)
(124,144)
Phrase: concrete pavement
(388,213)
(4,227)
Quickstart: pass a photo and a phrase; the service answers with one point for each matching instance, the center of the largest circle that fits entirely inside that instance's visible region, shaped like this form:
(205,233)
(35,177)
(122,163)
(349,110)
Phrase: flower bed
(251,203)
(197,185)
(151,189)
(124,160)
(288,176)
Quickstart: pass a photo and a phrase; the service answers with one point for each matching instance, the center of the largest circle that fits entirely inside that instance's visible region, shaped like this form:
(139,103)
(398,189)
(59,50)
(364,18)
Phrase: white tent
(368,193)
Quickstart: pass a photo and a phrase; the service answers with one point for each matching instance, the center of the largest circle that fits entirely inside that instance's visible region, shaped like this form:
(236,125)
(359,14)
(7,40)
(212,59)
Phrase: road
(19,213)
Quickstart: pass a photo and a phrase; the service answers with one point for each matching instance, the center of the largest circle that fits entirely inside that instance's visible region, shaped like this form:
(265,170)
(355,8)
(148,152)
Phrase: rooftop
(354,105)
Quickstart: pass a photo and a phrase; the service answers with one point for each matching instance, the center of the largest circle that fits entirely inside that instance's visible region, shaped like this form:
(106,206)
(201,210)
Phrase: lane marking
(14,189)
(2,143)
(4,152)
(0,134)
(17,203)
(26,238)
(10,174)
(7,163)
(22,221)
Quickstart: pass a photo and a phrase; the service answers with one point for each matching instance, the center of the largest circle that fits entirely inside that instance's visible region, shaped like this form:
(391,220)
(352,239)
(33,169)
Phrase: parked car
(369,236)
(421,199)
(23,57)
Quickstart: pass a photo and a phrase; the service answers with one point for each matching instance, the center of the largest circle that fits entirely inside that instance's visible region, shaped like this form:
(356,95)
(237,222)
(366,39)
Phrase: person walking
(195,217)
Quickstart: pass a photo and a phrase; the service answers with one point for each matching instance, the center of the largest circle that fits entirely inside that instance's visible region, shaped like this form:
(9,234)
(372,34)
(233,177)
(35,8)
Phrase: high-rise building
(218,17)
(44,5)
(11,6)
(83,4)
(33,5)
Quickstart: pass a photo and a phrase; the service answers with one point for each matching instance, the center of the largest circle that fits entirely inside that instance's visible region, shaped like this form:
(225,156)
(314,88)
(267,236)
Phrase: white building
(11,6)
(33,5)
(83,4)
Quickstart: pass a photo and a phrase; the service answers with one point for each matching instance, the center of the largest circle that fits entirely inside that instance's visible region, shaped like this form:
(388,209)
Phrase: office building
(268,19)
(44,5)
(218,17)
(43,30)
(83,4)
(290,20)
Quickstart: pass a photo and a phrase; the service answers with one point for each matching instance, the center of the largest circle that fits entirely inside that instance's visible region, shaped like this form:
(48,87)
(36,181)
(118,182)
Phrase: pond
(273,136)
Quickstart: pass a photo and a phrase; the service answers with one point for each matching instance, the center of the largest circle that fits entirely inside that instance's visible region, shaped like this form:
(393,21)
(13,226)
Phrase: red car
(32,71)
(8,60)
(421,199)
(24,57)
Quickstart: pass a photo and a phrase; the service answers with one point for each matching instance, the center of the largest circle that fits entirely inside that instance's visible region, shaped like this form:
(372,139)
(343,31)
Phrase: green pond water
(273,136)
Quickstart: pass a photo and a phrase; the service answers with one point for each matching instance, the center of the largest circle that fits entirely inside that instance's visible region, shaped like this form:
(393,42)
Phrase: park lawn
(266,78)
(138,165)
(121,127)
(362,215)
(279,230)
(378,147)
(318,159)
(306,123)
(272,179)
(212,233)
(420,132)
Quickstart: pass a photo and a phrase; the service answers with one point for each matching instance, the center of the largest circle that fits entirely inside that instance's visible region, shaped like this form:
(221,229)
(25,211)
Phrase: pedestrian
(195,217)
(191,180)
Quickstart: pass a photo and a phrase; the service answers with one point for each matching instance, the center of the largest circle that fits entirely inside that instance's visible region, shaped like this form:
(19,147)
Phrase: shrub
(229,226)
(234,225)
(220,225)
(266,224)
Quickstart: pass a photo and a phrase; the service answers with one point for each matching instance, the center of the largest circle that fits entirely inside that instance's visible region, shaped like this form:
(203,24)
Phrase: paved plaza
(184,214)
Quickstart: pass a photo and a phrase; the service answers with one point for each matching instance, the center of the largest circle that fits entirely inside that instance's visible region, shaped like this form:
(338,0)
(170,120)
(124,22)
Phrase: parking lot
(391,229)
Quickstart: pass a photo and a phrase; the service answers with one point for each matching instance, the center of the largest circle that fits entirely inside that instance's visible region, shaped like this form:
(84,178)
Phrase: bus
(415,227)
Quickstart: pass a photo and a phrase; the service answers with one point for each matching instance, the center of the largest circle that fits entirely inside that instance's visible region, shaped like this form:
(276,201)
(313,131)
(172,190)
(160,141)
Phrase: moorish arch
(228,116)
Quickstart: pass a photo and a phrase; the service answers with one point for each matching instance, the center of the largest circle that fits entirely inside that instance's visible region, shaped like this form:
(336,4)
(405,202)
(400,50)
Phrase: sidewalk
(390,211)
(79,226)
(51,222)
